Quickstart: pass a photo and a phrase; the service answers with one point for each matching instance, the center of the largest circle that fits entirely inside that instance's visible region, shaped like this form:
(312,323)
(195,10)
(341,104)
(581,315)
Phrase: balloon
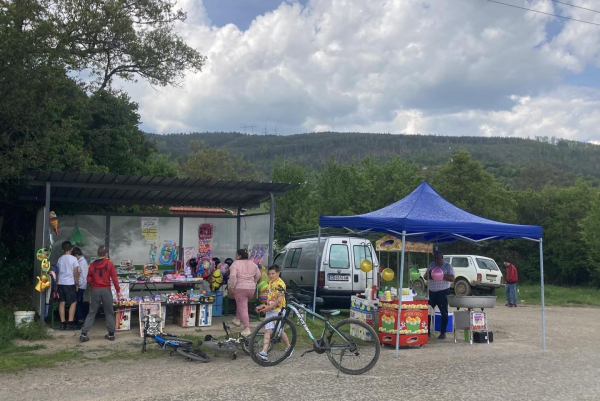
(262,287)
(437,274)
(387,274)
(366,266)
(414,274)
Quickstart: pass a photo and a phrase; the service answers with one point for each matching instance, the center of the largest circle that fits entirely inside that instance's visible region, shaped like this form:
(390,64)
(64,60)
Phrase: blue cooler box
(217,306)
(438,322)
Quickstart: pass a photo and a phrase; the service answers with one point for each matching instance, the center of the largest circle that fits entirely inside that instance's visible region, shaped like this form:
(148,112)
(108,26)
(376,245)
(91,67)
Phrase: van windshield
(486,264)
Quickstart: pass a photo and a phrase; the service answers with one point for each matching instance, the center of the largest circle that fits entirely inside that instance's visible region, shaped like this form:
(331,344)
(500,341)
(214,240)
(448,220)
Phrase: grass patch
(530,294)
(17,361)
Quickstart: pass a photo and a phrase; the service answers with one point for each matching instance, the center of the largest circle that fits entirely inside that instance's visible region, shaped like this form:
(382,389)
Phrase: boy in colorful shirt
(275,304)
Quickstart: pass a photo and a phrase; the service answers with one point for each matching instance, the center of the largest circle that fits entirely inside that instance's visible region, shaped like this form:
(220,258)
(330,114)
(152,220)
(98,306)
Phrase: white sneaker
(290,355)
(262,355)
(236,322)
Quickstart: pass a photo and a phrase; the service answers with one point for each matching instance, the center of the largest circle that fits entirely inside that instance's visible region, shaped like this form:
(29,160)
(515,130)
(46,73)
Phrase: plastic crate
(217,306)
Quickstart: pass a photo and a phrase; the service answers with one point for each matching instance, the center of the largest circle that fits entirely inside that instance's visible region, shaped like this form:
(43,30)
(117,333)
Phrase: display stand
(471,321)
(413,323)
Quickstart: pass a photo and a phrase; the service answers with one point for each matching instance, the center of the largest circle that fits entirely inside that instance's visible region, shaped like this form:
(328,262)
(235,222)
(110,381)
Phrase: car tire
(419,285)
(462,288)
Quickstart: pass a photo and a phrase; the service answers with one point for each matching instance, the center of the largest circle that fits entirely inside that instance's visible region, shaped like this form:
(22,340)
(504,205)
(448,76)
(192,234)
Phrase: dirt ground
(512,367)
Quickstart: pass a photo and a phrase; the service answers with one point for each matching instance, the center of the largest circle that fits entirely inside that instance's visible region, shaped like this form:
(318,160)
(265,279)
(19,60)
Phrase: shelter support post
(543,301)
(271,229)
(45,244)
(400,283)
(239,226)
(314,305)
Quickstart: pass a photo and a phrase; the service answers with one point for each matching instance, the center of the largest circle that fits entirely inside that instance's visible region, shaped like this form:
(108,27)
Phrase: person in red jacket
(512,277)
(100,274)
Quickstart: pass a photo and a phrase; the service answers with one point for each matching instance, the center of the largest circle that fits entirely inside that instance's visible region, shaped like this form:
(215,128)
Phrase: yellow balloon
(366,266)
(387,274)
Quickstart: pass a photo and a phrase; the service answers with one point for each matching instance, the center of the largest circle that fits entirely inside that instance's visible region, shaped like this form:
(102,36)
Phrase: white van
(339,269)
(470,272)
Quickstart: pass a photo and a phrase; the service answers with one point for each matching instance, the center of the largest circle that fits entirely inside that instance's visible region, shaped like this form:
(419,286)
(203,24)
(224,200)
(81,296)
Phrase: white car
(470,271)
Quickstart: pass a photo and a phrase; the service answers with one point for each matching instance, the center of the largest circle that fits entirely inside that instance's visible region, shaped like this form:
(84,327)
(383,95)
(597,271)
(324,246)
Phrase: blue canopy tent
(425,215)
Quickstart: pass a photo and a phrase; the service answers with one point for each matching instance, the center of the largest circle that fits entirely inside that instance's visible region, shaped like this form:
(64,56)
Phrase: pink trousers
(241,300)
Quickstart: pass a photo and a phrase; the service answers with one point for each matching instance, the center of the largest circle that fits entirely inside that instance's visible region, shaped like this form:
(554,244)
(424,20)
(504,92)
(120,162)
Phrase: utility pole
(275,131)
(265,131)
(252,128)
(244,128)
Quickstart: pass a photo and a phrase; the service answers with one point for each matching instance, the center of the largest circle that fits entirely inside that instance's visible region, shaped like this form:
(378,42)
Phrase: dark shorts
(67,293)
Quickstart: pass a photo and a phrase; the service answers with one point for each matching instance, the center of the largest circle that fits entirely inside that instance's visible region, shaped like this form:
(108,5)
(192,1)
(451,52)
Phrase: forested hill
(507,158)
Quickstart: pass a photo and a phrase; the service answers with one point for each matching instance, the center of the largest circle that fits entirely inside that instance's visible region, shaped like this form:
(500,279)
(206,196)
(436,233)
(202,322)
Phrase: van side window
(291,262)
(279,259)
(460,262)
(338,257)
(361,253)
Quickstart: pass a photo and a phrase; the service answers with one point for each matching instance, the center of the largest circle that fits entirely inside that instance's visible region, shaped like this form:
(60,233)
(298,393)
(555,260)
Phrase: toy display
(168,253)
(53,221)
(43,281)
(216,280)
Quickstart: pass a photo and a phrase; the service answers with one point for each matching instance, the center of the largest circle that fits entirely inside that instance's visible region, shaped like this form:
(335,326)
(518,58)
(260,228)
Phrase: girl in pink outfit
(243,277)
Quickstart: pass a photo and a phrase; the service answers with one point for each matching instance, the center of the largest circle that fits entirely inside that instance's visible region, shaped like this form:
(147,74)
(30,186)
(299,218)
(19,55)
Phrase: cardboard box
(204,315)
(184,315)
(123,319)
(124,288)
(152,308)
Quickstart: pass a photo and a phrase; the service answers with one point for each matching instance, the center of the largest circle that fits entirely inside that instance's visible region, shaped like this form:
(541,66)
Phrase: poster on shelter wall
(205,236)
(259,251)
(150,229)
(389,243)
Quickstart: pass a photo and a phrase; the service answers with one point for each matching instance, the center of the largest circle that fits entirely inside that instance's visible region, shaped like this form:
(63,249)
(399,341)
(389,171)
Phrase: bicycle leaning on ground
(230,344)
(176,344)
(342,341)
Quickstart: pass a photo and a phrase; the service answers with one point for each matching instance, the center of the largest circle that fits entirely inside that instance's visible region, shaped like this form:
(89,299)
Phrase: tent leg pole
(271,229)
(314,305)
(543,301)
(400,279)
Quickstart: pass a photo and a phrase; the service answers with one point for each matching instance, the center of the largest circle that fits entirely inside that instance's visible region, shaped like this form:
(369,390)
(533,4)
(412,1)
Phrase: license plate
(336,277)
(491,278)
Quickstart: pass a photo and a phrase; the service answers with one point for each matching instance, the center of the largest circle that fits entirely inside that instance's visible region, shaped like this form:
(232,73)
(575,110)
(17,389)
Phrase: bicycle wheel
(246,342)
(282,331)
(220,346)
(193,353)
(353,355)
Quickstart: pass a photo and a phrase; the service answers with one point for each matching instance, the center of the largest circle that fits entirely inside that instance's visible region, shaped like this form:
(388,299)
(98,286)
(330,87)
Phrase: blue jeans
(511,293)
(83,308)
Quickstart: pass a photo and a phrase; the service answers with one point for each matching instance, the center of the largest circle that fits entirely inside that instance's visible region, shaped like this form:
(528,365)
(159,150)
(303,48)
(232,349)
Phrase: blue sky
(464,67)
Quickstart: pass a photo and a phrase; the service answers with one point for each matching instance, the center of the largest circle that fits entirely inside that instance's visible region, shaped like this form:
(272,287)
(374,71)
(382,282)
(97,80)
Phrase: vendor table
(412,325)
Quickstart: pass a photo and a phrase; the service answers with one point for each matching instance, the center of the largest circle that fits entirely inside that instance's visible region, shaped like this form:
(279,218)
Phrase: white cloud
(459,67)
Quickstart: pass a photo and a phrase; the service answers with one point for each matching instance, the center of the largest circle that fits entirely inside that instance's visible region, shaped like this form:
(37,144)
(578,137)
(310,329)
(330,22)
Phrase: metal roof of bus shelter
(103,188)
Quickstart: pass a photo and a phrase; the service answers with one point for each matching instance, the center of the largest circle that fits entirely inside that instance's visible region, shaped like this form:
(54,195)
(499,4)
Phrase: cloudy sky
(444,67)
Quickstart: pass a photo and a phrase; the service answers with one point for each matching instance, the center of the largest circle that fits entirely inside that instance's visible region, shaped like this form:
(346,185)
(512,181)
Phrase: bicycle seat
(329,312)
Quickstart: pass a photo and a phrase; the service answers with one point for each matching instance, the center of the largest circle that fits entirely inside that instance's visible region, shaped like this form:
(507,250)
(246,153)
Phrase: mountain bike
(351,345)
(176,344)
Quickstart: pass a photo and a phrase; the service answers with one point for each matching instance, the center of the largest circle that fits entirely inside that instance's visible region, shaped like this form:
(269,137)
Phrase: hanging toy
(205,268)
(45,266)
(42,284)
(42,254)
(168,253)
(54,221)
(216,280)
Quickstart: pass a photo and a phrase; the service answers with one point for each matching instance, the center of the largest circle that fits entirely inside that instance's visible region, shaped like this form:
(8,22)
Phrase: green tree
(295,211)
(463,182)
(116,38)
(591,238)
(205,162)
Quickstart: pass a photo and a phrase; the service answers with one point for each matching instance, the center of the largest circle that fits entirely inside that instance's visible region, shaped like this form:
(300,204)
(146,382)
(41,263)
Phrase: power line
(541,12)
(573,5)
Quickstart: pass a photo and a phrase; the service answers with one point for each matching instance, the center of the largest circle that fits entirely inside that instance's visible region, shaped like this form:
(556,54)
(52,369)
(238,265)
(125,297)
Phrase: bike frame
(295,307)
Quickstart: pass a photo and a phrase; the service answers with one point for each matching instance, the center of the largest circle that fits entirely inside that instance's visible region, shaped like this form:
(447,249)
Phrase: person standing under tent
(512,277)
(439,290)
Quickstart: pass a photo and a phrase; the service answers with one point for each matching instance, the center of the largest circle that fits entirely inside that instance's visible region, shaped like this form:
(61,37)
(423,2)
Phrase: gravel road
(512,368)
